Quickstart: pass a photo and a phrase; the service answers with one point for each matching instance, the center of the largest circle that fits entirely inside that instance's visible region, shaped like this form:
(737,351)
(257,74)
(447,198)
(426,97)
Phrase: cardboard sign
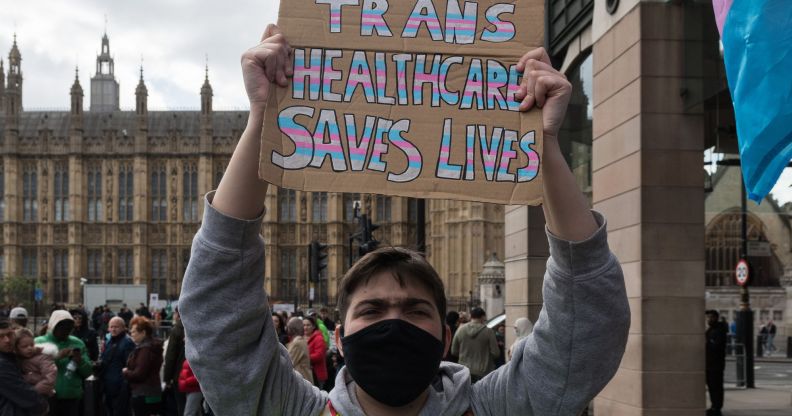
(406,97)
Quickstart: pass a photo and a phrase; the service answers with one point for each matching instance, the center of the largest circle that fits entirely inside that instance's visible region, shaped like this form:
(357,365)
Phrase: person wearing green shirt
(72,361)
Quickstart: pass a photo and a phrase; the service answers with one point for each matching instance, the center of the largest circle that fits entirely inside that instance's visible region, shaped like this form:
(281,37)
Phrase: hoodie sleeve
(49,373)
(578,341)
(227,318)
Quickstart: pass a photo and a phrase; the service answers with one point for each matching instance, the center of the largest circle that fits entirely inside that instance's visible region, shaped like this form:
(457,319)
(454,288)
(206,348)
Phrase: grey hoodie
(574,350)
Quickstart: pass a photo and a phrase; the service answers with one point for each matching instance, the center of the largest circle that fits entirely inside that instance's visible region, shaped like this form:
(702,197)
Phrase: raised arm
(231,343)
(581,333)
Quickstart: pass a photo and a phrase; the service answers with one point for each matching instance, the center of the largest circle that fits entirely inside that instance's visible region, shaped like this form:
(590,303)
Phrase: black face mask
(392,360)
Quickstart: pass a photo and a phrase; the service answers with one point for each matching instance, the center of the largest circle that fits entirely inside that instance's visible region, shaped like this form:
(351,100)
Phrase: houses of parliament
(115,197)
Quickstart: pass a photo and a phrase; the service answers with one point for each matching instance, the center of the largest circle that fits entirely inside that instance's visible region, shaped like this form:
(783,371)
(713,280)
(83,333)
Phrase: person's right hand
(63,353)
(267,63)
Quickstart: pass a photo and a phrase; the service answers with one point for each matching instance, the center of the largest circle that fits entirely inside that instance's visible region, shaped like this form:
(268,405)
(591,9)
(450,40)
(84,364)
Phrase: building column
(648,182)
(525,258)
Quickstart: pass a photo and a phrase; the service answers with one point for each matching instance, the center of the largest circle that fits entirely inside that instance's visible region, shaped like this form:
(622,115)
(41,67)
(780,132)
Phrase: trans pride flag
(757,52)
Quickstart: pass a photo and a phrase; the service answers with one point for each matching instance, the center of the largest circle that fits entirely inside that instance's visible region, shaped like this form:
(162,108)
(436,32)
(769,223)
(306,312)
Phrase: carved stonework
(29,234)
(61,234)
(93,234)
(125,234)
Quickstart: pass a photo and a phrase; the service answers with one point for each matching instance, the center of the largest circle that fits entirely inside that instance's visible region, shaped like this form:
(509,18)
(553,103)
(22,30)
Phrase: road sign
(759,249)
(38,294)
(741,272)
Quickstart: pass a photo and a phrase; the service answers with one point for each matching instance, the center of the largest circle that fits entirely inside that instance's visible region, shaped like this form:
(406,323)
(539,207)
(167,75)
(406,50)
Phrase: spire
(206,92)
(141,87)
(76,94)
(14,57)
(141,94)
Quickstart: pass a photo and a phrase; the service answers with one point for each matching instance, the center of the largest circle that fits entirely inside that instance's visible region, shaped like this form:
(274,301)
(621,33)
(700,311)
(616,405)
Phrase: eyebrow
(406,302)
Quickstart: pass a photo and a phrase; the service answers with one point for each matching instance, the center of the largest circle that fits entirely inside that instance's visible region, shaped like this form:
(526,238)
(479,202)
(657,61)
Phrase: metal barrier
(741,365)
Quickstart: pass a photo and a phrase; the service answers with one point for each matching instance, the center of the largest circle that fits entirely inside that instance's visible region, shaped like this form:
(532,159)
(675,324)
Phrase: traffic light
(367,243)
(318,260)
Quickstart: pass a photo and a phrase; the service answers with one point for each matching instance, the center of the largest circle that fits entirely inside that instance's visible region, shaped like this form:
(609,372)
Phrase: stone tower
(13,93)
(104,87)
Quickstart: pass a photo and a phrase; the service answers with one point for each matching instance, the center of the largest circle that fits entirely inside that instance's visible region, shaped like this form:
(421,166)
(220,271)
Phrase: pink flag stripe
(722,8)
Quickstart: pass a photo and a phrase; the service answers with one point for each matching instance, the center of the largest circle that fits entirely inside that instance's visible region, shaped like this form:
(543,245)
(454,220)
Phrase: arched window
(190,192)
(125,192)
(159,193)
(723,242)
(95,193)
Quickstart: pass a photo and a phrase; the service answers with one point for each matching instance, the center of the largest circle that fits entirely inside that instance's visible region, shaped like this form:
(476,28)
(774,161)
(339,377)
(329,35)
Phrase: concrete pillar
(525,263)
(648,182)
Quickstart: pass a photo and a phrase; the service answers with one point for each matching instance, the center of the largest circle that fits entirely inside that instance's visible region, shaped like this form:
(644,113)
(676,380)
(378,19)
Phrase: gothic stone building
(116,197)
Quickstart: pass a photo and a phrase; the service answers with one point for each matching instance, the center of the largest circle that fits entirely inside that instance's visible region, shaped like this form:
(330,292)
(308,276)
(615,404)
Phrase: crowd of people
(105,363)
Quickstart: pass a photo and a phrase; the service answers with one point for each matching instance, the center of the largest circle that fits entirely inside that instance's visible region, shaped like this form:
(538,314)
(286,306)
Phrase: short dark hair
(4,324)
(403,264)
(477,313)
(712,312)
(452,318)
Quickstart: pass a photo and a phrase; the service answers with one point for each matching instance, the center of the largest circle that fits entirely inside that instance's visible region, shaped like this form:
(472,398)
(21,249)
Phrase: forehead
(386,286)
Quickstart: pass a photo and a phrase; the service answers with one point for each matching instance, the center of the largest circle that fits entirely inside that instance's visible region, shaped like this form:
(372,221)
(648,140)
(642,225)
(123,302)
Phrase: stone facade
(116,197)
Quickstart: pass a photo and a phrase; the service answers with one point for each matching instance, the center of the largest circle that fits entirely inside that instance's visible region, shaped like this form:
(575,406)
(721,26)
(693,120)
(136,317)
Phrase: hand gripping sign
(409,97)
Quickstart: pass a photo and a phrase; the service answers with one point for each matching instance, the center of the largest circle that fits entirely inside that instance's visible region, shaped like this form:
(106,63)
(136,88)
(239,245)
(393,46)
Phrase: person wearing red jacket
(188,385)
(317,350)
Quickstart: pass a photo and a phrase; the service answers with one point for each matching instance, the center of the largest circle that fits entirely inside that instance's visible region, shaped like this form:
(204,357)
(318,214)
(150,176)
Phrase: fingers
(272,57)
(538,54)
(549,86)
(533,69)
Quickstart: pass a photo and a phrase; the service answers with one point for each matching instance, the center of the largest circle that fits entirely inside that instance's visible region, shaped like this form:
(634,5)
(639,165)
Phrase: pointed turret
(141,96)
(13,93)
(206,94)
(76,95)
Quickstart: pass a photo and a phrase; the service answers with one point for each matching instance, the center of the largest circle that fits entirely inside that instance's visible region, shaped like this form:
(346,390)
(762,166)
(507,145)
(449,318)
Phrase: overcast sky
(172,36)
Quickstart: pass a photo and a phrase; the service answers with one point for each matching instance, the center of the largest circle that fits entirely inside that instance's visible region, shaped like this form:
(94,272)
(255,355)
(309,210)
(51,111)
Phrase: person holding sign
(392,302)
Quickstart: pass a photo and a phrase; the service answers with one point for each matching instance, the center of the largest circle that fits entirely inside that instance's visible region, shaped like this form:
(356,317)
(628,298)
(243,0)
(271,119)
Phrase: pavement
(761,401)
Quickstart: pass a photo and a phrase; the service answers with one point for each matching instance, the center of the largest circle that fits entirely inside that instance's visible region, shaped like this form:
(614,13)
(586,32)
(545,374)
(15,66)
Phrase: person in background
(771,333)
(84,333)
(142,370)
(522,328)
(19,317)
(113,359)
(126,314)
(500,337)
(143,311)
(16,396)
(280,328)
(464,318)
(452,320)
(174,358)
(72,361)
(328,321)
(298,348)
(317,350)
(38,365)
(188,385)
(715,361)
(476,346)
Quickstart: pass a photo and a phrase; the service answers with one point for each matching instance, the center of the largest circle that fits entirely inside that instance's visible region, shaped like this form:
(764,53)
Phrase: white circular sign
(741,272)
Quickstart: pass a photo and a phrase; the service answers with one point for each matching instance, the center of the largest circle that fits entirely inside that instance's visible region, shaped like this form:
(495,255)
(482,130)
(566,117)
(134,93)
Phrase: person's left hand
(544,87)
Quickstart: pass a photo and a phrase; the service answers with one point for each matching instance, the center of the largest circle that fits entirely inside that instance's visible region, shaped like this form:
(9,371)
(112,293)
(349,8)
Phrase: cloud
(173,37)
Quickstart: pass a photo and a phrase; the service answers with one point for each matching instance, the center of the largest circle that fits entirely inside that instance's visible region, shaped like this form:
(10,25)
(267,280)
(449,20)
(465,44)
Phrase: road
(765,373)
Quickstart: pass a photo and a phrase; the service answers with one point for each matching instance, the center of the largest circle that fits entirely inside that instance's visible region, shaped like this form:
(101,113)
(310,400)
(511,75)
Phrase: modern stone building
(651,96)
(115,196)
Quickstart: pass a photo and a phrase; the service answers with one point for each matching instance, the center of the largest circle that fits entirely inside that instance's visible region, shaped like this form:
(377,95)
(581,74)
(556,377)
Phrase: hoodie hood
(448,395)
(56,318)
